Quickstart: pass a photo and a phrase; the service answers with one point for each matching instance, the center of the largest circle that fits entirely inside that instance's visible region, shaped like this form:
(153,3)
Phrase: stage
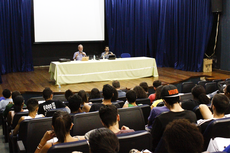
(36,81)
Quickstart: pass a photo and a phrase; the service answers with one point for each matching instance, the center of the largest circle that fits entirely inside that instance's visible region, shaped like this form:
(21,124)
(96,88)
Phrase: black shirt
(97,106)
(50,104)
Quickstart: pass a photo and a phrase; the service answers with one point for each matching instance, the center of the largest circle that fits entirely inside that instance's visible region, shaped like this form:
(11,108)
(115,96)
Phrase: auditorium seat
(143,101)
(60,97)
(120,102)
(185,96)
(97,100)
(186,87)
(122,98)
(160,104)
(210,87)
(202,83)
(196,110)
(146,112)
(50,112)
(125,55)
(39,98)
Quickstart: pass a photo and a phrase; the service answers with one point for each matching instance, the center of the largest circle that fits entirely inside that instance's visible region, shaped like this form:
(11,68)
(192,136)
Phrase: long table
(102,70)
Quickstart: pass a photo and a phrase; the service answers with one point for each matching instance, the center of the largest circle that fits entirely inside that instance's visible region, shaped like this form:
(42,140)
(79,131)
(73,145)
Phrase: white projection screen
(68,20)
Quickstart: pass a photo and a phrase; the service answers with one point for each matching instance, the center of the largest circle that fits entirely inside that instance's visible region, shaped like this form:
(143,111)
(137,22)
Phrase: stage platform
(36,81)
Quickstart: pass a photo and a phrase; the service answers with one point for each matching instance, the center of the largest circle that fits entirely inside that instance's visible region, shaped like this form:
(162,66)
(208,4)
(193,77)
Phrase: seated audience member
(3,103)
(68,93)
(140,92)
(32,105)
(182,136)
(108,93)
(10,105)
(156,84)
(106,53)
(61,124)
(49,102)
(145,86)
(75,103)
(103,140)
(84,105)
(115,95)
(79,54)
(131,97)
(110,119)
(199,97)
(116,85)
(227,91)
(94,94)
(157,97)
(219,104)
(170,95)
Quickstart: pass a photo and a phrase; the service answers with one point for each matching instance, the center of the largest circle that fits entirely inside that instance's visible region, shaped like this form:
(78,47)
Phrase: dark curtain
(15,36)
(175,32)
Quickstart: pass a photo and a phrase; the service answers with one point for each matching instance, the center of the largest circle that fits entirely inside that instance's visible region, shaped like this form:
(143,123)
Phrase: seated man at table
(106,53)
(79,54)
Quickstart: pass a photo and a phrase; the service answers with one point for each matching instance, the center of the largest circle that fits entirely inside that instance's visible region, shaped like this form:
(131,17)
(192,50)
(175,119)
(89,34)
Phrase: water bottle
(59,86)
(94,58)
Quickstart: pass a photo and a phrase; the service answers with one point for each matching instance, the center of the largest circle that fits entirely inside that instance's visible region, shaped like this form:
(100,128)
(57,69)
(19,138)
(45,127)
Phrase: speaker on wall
(216,5)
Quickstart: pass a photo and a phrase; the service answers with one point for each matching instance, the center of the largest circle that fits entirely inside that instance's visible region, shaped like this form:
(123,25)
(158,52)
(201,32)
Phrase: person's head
(156,84)
(199,93)
(80,47)
(106,48)
(6,93)
(227,91)
(68,93)
(158,92)
(182,136)
(145,86)
(83,96)
(75,102)
(107,91)
(18,103)
(47,93)
(15,94)
(61,123)
(32,105)
(140,92)
(170,94)
(108,115)
(116,84)
(115,95)
(94,93)
(103,140)
(131,96)
(220,104)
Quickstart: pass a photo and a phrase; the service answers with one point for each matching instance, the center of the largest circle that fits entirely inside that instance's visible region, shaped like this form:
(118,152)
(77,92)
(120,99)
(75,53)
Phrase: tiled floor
(4,147)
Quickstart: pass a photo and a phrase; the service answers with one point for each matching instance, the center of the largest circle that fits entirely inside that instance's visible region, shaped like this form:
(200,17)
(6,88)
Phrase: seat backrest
(39,98)
(202,83)
(196,110)
(120,102)
(123,55)
(160,104)
(186,87)
(143,101)
(85,122)
(132,117)
(186,96)
(217,128)
(122,99)
(210,87)
(146,112)
(139,140)
(97,100)
(69,147)
(16,118)
(50,112)
(60,97)
(31,131)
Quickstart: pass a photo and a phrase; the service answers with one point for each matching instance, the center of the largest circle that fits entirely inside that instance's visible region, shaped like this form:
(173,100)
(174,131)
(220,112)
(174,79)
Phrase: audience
(156,84)
(108,93)
(94,94)
(131,97)
(145,86)
(170,95)
(3,103)
(32,105)
(158,98)
(140,92)
(49,102)
(75,102)
(84,105)
(110,119)
(219,105)
(68,93)
(116,85)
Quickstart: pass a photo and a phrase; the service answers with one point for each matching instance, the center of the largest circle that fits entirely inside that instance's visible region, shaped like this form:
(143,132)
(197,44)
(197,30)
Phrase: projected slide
(68,20)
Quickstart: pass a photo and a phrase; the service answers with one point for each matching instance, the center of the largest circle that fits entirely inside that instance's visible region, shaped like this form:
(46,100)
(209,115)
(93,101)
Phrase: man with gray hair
(116,85)
(79,54)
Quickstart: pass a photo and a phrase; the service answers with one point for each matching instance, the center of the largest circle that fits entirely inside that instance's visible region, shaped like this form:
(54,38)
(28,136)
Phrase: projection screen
(68,20)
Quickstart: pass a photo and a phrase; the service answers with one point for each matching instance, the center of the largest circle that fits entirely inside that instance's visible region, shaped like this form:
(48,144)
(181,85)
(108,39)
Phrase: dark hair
(115,95)
(95,93)
(32,104)
(61,122)
(74,103)
(107,91)
(182,136)
(172,100)
(47,92)
(116,84)
(228,88)
(157,83)
(145,86)
(131,96)
(15,94)
(68,93)
(221,103)
(83,96)
(158,92)
(199,93)
(6,93)
(140,92)
(108,115)
(103,140)
(18,101)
